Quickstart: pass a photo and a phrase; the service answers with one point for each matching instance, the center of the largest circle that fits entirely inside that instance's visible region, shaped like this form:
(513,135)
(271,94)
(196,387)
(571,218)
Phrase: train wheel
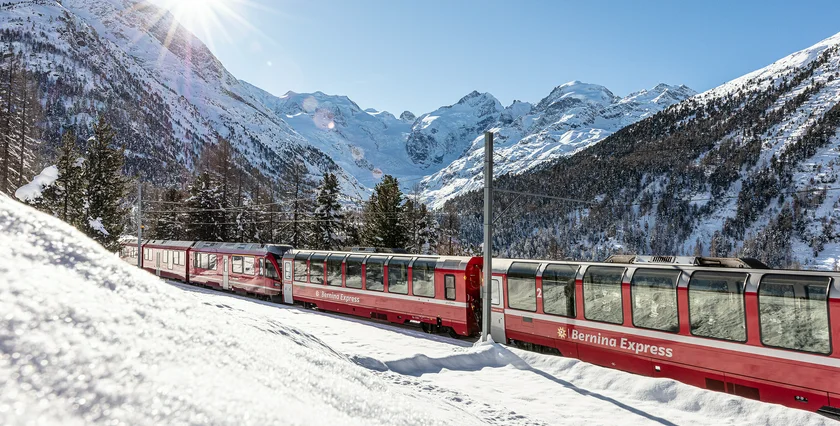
(426,327)
(451,332)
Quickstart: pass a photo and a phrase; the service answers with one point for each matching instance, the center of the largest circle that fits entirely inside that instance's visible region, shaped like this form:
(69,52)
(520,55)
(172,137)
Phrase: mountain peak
(408,116)
(586,92)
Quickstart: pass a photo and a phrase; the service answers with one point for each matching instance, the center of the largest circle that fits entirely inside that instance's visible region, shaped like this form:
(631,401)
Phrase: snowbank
(85,338)
(33,190)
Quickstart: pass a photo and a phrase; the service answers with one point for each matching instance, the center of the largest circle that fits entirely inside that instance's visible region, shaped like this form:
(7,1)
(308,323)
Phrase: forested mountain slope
(749,168)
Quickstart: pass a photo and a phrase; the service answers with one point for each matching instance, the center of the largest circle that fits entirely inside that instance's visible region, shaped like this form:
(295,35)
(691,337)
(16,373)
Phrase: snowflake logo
(317,293)
(561,332)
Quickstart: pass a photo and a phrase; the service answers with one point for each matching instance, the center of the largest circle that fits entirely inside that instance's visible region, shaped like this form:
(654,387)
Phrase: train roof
(169,243)
(720,262)
(245,248)
(502,266)
(444,262)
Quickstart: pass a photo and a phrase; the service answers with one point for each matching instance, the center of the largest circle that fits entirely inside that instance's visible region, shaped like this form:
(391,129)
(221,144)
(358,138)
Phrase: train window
(334,269)
(196,260)
(316,268)
(211,263)
(793,313)
(494,292)
(147,254)
(558,286)
(237,264)
(423,277)
(449,287)
(353,269)
(301,269)
(716,305)
(261,272)
(602,300)
(271,272)
(374,274)
(654,295)
(522,286)
(398,276)
(248,267)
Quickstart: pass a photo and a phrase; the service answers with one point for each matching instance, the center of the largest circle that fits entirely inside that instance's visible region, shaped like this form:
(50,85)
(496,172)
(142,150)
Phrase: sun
(207,19)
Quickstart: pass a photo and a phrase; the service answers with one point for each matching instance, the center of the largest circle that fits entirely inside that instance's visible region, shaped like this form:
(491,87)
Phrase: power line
(505,191)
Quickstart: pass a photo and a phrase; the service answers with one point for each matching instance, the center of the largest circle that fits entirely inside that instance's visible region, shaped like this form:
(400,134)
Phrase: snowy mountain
(748,169)
(443,150)
(124,347)
(165,93)
(573,116)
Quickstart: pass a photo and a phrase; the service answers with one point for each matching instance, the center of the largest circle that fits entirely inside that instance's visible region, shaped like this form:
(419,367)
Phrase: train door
(157,262)
(497,312)
(287,283)
(225,277)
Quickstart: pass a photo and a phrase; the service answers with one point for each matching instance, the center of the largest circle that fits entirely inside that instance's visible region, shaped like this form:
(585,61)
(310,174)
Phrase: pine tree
(328,224)
(449,231)
(27,114)
(106,186)
(170,223)
(301,192)
(204,209)
(383,215)
(64,199)
(8,73)
(419,225)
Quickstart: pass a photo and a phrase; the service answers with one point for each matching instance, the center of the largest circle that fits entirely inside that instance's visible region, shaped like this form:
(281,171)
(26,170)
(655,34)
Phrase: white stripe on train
(382,294)
(697,341)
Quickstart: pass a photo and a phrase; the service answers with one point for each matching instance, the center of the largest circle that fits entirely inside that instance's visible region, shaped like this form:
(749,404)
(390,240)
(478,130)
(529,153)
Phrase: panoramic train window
(248,267)
(375,274)
(558,286)
(654,295)
(522,286)
(334,269)
(301,270)
(316,268)
(398,276)
(602,299)
(353,268)
(423,277)
(237,264)
(793,313)
(449,287)
(716,305)
(494,292)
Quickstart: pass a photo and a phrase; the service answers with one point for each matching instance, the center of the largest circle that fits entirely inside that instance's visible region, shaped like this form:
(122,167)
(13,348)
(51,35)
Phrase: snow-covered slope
(365,143)
(159,86)
(88,339)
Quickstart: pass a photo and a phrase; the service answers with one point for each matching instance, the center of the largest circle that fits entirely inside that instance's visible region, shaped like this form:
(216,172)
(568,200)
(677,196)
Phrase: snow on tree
(64,196)
(327,227)
(383,219)
(106,187)
(204,208)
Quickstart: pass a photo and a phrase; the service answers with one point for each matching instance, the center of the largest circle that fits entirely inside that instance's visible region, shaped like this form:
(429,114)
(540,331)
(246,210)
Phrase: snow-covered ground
(86,338)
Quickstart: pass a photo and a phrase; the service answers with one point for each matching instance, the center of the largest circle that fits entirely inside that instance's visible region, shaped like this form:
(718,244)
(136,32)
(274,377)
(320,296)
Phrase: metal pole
(139,225)
(488,234)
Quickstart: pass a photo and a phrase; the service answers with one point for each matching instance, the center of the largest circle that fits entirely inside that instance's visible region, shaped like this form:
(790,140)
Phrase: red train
(241,267)
(728,325)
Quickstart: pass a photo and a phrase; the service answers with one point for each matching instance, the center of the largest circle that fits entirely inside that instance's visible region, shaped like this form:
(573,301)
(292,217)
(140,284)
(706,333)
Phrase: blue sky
(418,56)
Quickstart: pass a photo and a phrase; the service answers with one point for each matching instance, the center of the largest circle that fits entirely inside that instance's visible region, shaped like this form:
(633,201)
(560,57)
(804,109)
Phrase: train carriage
(244,267)
(167,258)
(441,293)
(129,249)
(758,333)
